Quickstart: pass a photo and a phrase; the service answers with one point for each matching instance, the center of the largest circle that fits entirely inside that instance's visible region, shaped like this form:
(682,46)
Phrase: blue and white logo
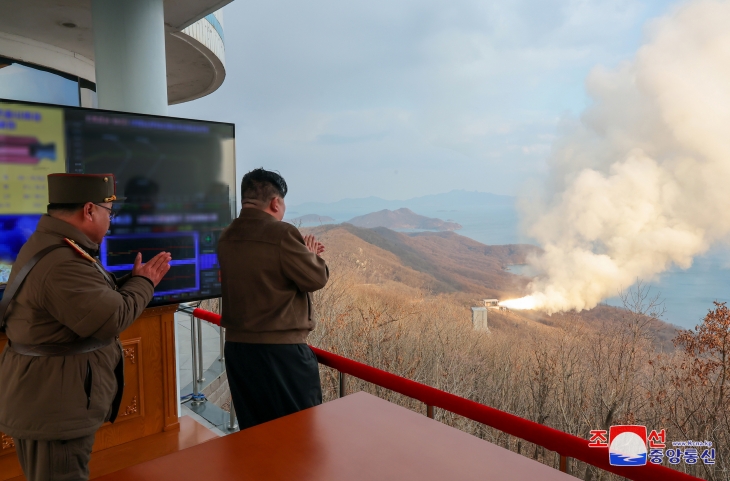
(627,446)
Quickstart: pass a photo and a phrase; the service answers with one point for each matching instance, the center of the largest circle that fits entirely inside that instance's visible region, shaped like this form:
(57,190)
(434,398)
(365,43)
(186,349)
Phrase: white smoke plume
(642,181)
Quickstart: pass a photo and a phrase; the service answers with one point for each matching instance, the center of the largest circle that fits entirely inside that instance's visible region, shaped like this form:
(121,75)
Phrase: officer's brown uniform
(52,405)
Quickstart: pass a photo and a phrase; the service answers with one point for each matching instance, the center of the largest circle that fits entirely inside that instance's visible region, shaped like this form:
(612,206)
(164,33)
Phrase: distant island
(312,219)
(402,219)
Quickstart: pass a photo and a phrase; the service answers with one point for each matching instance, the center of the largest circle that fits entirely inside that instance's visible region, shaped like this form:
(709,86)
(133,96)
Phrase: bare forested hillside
(439,262)
(401,303)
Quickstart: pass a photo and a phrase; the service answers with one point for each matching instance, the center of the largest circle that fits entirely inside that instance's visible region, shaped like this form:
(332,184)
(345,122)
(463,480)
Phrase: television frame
(234,211)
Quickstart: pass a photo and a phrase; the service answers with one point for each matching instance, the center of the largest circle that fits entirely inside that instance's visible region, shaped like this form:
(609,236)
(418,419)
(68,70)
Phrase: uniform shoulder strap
(12,288)
(88,257)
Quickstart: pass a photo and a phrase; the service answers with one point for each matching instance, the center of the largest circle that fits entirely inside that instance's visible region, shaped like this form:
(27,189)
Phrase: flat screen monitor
(178,177)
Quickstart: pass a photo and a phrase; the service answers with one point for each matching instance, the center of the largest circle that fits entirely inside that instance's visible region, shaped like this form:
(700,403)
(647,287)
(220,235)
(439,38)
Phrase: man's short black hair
(262,185)
(64,209)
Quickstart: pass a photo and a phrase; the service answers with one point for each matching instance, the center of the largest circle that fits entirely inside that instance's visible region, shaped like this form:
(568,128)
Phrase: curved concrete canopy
(58,34)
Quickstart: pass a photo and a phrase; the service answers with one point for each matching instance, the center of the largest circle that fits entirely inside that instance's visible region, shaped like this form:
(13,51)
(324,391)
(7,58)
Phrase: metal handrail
(566,445)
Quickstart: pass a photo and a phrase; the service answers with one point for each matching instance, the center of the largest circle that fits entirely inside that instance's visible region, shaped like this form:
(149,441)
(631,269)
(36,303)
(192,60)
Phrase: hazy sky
(411,97)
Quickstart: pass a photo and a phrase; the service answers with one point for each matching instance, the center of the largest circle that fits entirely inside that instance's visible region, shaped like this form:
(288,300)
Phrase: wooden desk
(358,437)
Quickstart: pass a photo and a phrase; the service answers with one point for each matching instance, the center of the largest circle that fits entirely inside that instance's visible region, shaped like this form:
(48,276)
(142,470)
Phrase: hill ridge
(449,264)
(402,218)
(344,209)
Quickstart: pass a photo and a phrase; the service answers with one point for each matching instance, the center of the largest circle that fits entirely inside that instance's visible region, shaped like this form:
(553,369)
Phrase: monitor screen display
(178,177)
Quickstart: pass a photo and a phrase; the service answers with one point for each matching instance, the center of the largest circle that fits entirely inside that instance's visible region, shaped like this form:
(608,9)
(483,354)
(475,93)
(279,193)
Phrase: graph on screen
(118,254)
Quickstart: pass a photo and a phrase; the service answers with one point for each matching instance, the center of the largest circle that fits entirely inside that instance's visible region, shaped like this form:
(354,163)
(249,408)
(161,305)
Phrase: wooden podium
(150,402)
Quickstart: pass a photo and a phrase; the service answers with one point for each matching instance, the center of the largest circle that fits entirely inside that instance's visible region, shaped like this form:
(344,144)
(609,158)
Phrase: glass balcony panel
(21,82)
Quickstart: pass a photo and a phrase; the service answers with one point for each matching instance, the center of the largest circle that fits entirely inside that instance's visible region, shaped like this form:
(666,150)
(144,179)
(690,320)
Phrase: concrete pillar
(479,319)
(129,50)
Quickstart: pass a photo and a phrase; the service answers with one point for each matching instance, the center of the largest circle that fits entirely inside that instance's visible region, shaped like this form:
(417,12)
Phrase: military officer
(62,370)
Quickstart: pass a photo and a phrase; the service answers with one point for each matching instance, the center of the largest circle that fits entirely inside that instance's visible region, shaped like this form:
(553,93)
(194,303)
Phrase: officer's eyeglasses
(112,214)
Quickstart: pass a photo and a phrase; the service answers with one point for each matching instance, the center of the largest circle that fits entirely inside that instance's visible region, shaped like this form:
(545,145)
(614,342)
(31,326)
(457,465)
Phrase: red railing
(566,445)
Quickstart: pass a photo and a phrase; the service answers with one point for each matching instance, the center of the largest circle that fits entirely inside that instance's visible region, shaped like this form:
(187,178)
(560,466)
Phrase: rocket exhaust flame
(638,183)
(523,303)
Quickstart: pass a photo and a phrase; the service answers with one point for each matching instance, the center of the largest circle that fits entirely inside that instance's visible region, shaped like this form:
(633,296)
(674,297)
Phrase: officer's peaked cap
(82,188)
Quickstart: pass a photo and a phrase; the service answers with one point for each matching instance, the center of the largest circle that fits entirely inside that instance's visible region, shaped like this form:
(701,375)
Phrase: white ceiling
(189,72)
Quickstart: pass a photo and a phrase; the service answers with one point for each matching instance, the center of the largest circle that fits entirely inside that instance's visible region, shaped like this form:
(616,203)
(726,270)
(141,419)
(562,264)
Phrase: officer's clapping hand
(153,270)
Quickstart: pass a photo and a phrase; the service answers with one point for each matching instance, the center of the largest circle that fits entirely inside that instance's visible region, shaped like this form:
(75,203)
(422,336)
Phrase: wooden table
(358,437)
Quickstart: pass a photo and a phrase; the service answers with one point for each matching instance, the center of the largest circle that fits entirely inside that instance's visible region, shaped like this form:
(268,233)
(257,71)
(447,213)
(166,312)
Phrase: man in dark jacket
(268,272)
(61,372)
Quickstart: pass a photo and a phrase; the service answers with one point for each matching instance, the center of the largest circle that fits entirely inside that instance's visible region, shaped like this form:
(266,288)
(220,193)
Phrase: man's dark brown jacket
(267,273)
(63,299)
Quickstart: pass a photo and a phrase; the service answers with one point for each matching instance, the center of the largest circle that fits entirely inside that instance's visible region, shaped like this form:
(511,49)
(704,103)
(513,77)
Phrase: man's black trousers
(269,381)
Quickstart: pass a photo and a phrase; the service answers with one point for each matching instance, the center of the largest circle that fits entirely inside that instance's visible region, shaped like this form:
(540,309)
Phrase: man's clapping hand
(313,245)
(155,269)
